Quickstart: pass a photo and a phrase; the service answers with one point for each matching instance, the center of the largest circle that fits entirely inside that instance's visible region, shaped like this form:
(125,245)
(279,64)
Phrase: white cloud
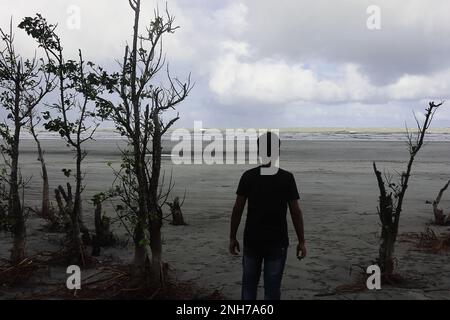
(232,18)
(418,87)
(276,82)
(236,77)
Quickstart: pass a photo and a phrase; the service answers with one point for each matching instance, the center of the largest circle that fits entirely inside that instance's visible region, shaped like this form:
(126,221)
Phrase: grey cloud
(336,32)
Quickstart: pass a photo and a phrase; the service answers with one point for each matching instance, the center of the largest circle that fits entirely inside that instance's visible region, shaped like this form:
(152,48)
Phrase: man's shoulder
(257,170)
(285,173)
(286,176)
(251,172)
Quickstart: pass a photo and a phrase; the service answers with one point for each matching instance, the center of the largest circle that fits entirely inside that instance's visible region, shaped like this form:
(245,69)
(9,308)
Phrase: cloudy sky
(284,63)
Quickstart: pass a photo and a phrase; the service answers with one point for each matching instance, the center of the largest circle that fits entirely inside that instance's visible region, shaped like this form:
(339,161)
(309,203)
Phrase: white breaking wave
(294,134)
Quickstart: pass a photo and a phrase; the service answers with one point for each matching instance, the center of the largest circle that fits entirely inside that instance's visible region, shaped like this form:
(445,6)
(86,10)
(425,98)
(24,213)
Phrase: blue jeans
(274,261)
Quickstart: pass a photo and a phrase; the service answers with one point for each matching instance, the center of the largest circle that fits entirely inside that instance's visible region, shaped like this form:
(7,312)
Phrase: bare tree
(392,195)
(138,117)
(23,85)
(73,117)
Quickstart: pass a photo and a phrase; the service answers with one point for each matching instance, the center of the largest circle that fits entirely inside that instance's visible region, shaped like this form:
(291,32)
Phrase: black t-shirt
(268,197)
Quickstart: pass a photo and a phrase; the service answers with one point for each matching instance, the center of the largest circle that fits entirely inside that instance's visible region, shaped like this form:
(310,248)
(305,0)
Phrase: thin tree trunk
(77,242)
(15,207)
(45,209)
(386,254)
(140,252)
(155,210)
(385,210)
(103,236)
(156,248)
(45,193)
(99,232)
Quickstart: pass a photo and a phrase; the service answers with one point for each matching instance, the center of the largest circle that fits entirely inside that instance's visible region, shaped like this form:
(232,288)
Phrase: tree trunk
(16,213)
(386,254)
(103,236)
(388,229)
(15,207)
(46,212)
(96,241)
(156,248)
(77,244)
(138,274)
(140,252)
(45,208)
(177,214)
(155,211)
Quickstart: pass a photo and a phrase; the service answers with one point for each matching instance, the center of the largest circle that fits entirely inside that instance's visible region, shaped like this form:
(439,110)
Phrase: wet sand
(338,196)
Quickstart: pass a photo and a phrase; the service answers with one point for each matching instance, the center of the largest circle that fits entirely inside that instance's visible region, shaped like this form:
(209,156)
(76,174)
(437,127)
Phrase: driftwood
(439,216)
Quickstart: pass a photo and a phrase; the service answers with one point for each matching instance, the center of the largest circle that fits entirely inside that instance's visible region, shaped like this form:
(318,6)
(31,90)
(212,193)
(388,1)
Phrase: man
(265,235)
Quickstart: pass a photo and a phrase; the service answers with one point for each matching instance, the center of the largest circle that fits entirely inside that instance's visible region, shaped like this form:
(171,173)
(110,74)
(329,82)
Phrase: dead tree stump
(103,236)
(177,214)
(64,199)
(439,216)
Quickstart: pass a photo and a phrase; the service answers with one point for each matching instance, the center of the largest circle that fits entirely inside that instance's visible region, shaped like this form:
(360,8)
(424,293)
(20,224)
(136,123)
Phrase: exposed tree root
(359,285)
(20,273)
(109,282)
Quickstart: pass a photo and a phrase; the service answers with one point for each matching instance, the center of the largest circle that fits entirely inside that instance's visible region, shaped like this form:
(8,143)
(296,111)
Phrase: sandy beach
(338,196)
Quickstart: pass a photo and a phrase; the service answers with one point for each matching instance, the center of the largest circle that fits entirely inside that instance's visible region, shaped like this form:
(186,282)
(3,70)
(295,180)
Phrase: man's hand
(301,250)
(234,245)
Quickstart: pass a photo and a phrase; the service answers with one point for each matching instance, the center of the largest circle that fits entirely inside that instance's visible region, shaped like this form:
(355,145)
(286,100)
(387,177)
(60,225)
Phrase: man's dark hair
(268,136)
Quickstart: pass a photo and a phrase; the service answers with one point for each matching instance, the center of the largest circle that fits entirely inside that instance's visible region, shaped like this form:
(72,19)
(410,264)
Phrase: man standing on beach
(265,235)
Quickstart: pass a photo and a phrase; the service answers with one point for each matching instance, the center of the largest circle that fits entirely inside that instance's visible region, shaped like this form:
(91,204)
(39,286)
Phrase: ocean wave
(370,134)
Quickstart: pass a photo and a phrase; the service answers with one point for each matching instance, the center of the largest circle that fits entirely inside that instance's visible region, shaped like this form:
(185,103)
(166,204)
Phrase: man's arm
(236,216)
(297,220)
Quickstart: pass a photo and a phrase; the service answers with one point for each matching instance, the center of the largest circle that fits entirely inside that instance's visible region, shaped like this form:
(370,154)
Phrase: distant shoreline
(295,134)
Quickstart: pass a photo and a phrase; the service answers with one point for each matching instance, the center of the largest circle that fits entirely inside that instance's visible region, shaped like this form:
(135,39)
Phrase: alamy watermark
(374,280)
(228,146)
(374,19)
(73,282)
